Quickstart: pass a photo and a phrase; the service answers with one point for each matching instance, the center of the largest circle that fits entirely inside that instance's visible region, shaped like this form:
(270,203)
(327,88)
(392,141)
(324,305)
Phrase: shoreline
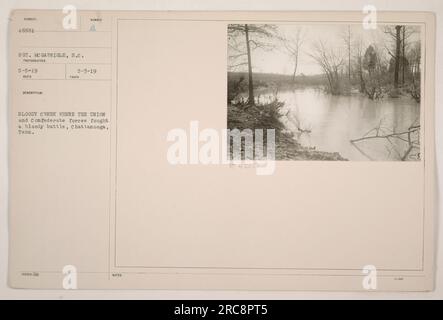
(241,116)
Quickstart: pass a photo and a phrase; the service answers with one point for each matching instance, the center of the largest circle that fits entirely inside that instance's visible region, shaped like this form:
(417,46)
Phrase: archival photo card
(221,150)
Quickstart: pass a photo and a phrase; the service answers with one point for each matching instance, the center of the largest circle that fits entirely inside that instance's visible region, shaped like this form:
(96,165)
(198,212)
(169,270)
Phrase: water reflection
(329,123)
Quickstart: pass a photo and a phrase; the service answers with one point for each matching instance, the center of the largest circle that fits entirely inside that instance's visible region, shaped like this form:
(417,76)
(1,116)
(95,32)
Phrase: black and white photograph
(331,91)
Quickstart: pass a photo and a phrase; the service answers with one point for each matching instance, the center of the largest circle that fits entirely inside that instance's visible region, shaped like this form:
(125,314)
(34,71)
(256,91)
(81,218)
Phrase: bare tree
(407,32)
(395,34)
(330,61)
(255,36)
(403,55)
(397,54)
(292,45)
(248,52)
(414,58)
(358,56)
(347,39)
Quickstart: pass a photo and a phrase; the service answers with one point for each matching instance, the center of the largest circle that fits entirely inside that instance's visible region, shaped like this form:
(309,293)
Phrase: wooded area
(269,66)
(389,67)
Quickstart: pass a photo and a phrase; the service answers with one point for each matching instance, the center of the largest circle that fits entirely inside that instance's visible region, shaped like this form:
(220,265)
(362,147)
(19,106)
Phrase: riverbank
(267,116)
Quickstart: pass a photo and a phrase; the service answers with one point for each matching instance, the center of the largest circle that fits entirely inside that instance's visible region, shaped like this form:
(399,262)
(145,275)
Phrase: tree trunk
(403,58)
(397,55)
(349,54)
(250,83)
(360,73)
(295,68)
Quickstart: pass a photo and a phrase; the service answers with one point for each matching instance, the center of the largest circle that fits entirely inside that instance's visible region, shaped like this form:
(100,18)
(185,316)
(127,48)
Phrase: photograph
(330,91)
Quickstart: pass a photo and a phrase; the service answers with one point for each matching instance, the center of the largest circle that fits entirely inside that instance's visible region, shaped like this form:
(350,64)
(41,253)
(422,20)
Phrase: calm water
(334,120)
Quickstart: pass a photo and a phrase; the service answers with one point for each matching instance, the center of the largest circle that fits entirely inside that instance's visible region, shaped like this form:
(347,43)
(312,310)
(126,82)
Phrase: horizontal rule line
(67,79)
(64,47)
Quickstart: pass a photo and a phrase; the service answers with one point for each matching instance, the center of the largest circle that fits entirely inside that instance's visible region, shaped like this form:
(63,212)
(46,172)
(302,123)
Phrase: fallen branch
(386,136)
(381,133)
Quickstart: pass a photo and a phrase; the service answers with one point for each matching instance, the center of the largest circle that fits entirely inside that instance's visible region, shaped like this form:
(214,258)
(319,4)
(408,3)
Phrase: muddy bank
(242,116)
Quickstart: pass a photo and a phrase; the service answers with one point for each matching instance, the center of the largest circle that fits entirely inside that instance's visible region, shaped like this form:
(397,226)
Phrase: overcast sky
(277,61)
